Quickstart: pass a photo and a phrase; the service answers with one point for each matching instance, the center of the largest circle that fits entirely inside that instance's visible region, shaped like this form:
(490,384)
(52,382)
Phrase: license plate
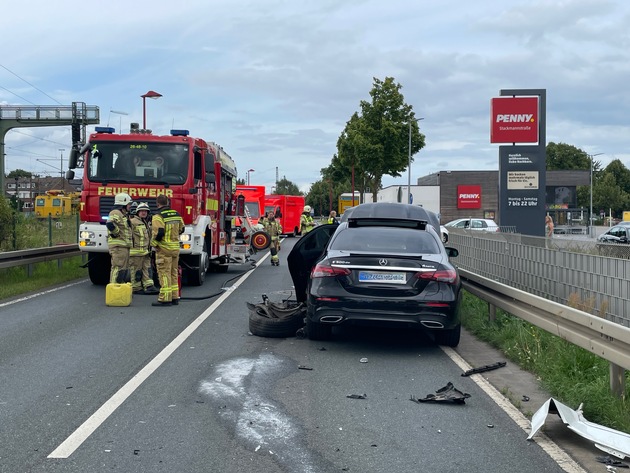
(387,278)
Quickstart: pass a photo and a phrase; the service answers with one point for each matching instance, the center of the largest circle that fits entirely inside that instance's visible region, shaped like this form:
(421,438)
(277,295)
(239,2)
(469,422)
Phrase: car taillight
(442,275)
(327,271)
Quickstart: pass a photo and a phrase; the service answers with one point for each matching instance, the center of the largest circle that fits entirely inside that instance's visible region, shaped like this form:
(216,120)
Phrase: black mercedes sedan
(384,265)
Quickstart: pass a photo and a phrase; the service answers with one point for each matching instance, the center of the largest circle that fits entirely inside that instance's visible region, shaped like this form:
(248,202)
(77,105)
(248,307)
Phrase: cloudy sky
(274,81)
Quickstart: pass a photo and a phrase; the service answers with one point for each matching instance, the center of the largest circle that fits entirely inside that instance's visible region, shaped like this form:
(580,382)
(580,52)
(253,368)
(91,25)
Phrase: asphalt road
(90,388)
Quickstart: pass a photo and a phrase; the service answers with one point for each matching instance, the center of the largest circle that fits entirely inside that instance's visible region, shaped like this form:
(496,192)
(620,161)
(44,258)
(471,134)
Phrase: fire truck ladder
(78,115)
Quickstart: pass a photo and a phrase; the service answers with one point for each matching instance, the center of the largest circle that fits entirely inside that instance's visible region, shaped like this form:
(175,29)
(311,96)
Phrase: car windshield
(137,162)
(385,240)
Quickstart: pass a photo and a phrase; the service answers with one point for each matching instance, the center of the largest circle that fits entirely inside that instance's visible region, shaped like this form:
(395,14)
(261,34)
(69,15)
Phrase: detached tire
(260,240)
(263,326)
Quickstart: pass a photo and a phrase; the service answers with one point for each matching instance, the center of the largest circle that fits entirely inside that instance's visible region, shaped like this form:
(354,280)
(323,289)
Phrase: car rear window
(385,239)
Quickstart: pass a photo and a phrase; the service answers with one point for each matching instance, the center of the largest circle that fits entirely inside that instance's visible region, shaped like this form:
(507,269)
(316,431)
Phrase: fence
(27,231)
(535,278)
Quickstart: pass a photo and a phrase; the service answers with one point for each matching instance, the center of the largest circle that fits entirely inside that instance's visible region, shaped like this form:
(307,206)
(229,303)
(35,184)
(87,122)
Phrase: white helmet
(122,199)
(307,208)
(143,206)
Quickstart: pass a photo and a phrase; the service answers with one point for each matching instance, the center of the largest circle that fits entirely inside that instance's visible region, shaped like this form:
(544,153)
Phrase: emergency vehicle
(254,200)
(287,210)
(197,176)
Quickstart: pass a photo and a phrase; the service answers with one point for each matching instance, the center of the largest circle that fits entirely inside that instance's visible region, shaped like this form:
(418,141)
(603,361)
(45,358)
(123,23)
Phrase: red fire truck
(254,200)
(197,176)
(287,209)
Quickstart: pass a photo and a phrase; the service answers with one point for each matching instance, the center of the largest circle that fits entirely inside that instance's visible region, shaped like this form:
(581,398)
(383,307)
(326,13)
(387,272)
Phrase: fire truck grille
(106,204)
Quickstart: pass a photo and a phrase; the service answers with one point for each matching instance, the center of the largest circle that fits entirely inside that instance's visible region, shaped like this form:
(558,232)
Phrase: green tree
(19,173)
(621,173)
(376,142)
(608,195)
(240,182)
(286,187)
(561,156)
(6,220)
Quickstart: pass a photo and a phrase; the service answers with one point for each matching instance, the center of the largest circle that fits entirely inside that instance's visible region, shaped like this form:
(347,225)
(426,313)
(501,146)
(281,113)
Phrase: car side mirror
(451,252)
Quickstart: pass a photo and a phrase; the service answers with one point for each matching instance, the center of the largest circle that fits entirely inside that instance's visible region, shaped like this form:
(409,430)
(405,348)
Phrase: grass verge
(569,373)
(16,281)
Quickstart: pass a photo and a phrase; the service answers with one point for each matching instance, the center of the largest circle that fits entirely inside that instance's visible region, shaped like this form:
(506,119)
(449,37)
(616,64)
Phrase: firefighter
(274,229)
(119,238)
(166,226)
(306,221)
(140,253)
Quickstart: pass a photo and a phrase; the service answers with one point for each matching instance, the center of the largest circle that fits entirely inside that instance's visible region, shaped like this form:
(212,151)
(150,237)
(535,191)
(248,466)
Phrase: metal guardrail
(10,259)
(601,337)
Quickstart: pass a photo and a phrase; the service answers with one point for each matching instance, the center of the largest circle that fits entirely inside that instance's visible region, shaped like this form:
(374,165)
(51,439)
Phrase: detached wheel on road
(260,240)
(262,325)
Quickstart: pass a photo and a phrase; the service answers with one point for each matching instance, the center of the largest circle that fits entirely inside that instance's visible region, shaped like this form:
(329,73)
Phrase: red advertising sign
(468,197)
(514,120)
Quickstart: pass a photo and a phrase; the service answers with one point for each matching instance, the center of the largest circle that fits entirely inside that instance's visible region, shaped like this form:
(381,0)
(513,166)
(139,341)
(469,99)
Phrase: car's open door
(305,253)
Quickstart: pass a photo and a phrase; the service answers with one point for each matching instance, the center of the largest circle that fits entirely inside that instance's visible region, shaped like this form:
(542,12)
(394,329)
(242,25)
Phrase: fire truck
(254,199)
(287,209)
(197,176)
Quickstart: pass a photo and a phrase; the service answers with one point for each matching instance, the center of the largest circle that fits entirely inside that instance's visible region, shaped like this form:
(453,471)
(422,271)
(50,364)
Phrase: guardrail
(10,259)
(602,337)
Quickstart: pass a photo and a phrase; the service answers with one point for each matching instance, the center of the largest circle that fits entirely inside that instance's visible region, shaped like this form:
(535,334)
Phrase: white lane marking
(86,429)
(22,299)
(552,449)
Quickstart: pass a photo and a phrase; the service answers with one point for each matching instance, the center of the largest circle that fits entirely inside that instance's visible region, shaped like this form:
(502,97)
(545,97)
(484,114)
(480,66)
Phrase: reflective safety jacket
(274,228)
(306,223)
(166,226)
(118,229)
(141,237)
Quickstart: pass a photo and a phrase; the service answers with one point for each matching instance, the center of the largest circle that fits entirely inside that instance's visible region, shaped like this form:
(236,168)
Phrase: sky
(275,81)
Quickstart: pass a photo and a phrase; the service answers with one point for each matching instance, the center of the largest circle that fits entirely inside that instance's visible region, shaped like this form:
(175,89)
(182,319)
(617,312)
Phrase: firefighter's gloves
(160,235)
(111,226)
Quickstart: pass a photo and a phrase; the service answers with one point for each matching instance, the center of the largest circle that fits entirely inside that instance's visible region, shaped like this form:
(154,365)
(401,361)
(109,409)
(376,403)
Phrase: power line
(16,95)
(38,138)
(22,79)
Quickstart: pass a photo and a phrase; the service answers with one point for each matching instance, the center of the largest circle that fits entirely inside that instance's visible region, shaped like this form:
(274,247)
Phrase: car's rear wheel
(450,337)
(317,331)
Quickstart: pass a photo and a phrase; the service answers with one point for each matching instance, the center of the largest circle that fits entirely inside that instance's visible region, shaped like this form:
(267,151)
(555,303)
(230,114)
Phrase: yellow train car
(55,203)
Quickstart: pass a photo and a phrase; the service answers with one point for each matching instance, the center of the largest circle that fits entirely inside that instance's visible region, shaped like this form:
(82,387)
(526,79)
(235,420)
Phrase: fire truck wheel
(99,267)
(263,326)
(260,240)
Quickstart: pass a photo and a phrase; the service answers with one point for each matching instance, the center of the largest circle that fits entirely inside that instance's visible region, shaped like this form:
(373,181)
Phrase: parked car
(616,234)
(615,242)
(383,265)
(483,224)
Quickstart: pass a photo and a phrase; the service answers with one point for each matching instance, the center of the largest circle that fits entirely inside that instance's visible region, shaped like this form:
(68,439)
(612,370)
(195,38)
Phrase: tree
(621,173)
(376,142)
(607,194)
(286,187)
(240,182)
(6,219)
(561,156)
(19,173)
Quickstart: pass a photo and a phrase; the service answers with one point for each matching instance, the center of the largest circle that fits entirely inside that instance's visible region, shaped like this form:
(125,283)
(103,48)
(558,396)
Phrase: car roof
(393,211)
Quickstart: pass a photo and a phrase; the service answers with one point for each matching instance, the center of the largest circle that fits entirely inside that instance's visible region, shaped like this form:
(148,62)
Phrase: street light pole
(409,163)
(590,211)
(152,95)
(248,171)
(61,150)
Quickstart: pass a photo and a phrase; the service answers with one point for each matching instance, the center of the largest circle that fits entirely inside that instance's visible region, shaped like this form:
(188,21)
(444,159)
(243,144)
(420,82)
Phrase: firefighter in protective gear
(119,238)
(166,226)
(140,253)
(274,229)
(306,221)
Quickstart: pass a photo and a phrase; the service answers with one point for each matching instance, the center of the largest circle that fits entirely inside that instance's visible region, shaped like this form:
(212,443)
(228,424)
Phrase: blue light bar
(180,132)
(105,129)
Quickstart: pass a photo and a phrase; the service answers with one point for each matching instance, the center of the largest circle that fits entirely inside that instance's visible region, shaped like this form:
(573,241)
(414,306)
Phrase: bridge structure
(78,116)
